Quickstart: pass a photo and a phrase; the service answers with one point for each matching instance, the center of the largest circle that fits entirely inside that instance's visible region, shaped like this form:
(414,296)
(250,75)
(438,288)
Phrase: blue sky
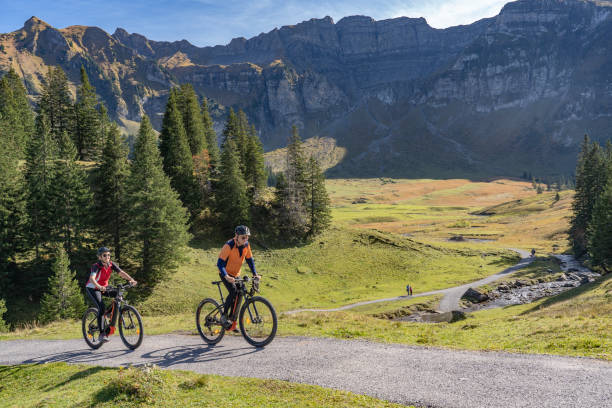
(207,22)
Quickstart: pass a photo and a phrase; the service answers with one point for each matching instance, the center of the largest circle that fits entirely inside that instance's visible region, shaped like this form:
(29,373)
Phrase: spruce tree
(295,179)
(242,139)
(39,174)
(192,119)
(87,121)
(13,215)
(317,204)
(232,200)
(177,160)
(600,230)
(70,200)
(63,299)
(16,114)
(255,172)
(211,137)
(110,210)
(4,327)
(157,222)
(55,103)
(590,182)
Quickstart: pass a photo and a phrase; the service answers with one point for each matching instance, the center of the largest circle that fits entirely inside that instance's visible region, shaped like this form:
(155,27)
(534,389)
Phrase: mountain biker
(98,281)
(233,254)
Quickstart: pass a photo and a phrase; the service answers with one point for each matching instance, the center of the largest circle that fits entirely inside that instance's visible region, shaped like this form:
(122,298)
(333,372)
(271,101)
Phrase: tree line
(70,184)
(591,223)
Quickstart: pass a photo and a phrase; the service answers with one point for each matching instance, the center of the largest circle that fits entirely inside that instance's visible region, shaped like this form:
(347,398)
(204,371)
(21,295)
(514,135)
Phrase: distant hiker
(409,289)
(532,252)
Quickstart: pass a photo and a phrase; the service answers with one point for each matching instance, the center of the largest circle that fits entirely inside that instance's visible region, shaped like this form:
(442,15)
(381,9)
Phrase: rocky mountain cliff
(501,96)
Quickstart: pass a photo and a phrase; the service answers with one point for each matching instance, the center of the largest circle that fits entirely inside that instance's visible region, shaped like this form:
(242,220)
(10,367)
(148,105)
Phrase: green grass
(340,267)
(575,323)
(63,385)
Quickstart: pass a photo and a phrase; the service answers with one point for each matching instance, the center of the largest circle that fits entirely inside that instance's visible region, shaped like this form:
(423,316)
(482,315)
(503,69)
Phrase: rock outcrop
(501,96)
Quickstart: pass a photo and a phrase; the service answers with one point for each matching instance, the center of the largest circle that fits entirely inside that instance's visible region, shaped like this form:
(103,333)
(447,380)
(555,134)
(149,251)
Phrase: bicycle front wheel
(208,321)
(91,331)
(258,321)
(130,327)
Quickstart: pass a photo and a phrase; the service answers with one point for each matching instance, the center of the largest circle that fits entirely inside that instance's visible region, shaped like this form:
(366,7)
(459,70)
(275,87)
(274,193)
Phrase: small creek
(520,292)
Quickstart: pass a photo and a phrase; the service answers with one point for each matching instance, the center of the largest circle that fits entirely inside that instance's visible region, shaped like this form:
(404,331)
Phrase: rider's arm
(221,265)
(92,278)
(222,261)
(249,260)
(123,274)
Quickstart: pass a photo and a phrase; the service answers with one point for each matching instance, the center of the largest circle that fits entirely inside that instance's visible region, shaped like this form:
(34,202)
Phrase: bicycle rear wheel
(130,327)
(258,321)
(91,331)
(208,321)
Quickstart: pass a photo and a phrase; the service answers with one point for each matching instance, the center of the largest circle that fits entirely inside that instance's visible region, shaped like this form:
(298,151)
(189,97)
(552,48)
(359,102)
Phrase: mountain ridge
(507,94)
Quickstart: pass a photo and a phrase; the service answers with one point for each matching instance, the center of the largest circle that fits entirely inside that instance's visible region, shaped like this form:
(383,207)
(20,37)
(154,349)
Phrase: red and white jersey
(101,273)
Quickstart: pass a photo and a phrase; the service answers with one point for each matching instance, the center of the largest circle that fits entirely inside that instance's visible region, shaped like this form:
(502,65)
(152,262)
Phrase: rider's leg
(96,297)
(231,297)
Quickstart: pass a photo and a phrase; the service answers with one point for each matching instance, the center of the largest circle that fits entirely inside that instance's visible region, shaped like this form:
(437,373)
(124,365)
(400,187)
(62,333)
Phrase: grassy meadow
(60,384)
(387,233)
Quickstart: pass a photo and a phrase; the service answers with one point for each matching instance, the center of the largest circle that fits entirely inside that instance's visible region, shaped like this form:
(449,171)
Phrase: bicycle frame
(115,308)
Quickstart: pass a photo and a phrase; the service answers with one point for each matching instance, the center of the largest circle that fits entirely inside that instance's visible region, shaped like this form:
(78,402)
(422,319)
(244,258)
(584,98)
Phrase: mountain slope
(501,96)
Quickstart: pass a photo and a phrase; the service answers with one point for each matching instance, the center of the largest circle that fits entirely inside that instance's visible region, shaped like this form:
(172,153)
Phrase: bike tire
(89,326)
(258,322)
(208,321)
(130,327)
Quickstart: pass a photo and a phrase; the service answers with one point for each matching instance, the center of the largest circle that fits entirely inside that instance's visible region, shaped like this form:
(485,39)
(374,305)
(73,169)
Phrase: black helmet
(242,230)
(102,250)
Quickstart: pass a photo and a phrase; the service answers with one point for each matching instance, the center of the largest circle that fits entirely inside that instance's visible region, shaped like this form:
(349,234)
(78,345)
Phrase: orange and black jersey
(232,256)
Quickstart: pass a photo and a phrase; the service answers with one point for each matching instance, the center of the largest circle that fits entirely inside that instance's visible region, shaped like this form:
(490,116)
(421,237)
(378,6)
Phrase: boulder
(448,317)
(474,296)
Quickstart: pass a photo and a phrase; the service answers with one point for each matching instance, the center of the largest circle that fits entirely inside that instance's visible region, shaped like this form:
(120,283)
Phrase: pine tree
(13,215)
(39,174)
(55,103)
(590,182)
(242,139)
(3,325)
(177,160)
(295,178)
(16,114)
(63,299)
(87,121)
(70,200)
(255,172)
(600,230)
(211,137)
(157,221)
(192,119)
(232,201)
(318,204)
(110,188)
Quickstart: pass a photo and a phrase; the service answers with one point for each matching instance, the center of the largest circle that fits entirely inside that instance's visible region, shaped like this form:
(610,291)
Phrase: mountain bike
(130,322)
(257,317)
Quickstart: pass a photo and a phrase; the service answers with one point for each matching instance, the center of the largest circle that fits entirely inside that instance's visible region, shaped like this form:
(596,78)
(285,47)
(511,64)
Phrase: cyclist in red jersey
(98,281)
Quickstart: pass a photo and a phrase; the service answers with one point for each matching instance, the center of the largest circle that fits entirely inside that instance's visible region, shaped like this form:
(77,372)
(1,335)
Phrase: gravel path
(449,302)
(421,376)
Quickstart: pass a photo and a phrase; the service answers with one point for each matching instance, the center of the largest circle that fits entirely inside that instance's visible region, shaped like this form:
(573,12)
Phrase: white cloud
(448,13)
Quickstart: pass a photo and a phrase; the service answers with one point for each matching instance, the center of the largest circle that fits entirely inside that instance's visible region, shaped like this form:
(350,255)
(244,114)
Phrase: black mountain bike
(257,318)
(130,322)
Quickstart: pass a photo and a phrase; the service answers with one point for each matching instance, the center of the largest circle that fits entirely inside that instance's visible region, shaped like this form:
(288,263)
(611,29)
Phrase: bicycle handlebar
(119,287)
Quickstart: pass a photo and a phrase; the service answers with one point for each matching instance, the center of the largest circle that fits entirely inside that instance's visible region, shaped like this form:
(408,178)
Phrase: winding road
(421,376)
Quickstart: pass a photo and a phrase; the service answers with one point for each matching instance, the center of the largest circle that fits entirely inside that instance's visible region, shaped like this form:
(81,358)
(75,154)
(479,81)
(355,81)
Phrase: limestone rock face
(504,95)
